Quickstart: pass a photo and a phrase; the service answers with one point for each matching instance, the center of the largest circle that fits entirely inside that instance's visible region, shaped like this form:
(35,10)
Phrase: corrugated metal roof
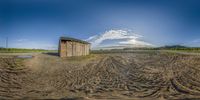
(73,39)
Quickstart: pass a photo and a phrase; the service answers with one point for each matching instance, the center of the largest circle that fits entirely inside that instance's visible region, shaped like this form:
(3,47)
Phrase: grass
(184,50)
(80,58)
(18,50)
(192,51)
(120,51)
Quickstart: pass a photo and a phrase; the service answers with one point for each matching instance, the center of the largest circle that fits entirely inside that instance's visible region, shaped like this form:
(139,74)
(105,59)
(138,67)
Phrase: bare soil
(129,76)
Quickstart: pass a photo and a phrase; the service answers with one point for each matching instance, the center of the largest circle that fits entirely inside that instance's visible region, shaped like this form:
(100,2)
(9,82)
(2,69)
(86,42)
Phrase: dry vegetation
(149,75)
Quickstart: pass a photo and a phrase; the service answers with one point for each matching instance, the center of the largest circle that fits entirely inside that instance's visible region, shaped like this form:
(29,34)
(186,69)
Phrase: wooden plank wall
(70,48)
(62,48)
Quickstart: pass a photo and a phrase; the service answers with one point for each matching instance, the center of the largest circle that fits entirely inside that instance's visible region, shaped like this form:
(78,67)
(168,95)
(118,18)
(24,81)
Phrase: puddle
(25,56)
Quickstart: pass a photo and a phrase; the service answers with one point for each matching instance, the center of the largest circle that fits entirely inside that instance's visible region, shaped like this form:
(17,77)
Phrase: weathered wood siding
(63,49)
(71,48)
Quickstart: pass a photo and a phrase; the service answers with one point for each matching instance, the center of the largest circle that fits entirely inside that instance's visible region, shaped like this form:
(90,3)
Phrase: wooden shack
(73,47)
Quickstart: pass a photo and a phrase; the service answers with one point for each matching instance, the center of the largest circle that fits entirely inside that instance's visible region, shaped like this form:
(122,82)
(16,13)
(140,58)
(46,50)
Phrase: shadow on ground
(52,54)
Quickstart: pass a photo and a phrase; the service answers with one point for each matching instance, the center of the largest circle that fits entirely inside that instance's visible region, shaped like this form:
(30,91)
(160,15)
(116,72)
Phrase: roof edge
(73,39)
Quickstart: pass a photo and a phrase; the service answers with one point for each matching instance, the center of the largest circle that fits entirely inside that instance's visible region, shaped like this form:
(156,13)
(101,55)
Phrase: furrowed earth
(130,76)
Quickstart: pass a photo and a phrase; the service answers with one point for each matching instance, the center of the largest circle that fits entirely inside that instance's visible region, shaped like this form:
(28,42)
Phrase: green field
(175,48)
(19,50)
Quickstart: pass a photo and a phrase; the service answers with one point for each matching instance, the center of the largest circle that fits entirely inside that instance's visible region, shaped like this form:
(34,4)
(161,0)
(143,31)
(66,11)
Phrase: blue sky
(40,23)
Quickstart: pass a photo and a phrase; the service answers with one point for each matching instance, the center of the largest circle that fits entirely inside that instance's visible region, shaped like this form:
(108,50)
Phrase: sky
(104,23)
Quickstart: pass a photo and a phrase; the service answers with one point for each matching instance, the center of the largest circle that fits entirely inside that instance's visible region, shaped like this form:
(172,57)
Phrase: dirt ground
(121,76)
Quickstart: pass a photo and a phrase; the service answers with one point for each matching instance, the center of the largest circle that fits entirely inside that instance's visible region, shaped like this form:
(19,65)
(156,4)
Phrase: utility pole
(6,42)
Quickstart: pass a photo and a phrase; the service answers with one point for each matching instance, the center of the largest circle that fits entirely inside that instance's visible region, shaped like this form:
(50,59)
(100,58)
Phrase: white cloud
(136,43)
(22,40)
(193,43)
(127,39)
(196,41)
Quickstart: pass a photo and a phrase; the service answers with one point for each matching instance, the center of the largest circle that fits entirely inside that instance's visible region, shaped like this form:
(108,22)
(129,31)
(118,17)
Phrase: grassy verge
(17,50)
(186,51)
(121,51)
(80,58)
(189,51)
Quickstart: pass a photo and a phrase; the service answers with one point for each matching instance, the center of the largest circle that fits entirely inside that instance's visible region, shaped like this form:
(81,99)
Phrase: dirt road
(139,76)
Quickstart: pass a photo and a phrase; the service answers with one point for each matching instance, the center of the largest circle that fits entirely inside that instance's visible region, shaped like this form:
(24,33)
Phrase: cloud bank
(124,38)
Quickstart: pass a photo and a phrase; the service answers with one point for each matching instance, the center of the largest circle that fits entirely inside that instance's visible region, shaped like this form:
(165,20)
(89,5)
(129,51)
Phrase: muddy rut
(111,76)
